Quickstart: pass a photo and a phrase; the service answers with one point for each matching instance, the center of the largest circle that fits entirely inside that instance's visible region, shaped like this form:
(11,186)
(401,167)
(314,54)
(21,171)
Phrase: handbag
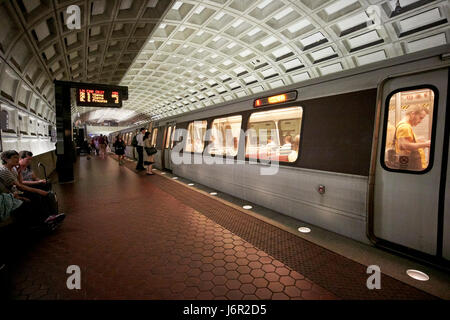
(150,151)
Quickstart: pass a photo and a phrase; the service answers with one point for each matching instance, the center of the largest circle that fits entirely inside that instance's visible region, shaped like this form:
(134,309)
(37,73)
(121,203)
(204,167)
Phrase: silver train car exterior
(342,178)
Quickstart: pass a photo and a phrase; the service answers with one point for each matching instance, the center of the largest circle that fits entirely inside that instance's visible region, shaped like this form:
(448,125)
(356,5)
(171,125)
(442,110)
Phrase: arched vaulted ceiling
(178,56)
(207,52)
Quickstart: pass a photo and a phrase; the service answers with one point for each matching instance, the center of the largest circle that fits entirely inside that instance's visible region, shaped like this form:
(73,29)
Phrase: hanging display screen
(281,98)
(99,97)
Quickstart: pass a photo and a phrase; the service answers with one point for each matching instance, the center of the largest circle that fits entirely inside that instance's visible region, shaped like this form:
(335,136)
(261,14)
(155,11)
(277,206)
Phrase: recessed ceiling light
(213,193)
(417,275)
(304,230)
(191,184)
(247,207)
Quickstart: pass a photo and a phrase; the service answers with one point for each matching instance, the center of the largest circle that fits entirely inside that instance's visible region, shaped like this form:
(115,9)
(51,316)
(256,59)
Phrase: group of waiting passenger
(99,145)
(24,198)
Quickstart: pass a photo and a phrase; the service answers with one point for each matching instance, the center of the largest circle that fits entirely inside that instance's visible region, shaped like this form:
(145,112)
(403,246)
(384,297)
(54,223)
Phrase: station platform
(141,237)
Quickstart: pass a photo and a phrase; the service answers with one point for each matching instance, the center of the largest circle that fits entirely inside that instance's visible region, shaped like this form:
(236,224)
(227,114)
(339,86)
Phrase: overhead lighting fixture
(304,230)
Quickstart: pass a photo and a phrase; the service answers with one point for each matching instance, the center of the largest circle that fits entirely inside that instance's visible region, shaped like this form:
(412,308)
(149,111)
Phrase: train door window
(172,138)
(409,129)
(195,140)
(225,135)
(168,137)
(275,134)
(154,136)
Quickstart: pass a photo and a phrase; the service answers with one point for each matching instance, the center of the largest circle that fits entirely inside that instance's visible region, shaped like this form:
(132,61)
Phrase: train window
(196,136)
(274,135)
(168,138)
(408,130)
(225,135)
(154,136)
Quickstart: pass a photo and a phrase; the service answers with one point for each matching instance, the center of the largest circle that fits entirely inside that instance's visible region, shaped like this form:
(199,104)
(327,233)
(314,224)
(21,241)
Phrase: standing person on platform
(148,157)
(119,147)
(140,150)
(96,146)
(102,146)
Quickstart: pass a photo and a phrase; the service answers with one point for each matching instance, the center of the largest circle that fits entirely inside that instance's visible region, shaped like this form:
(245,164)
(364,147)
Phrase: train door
(167,147)
(411,186)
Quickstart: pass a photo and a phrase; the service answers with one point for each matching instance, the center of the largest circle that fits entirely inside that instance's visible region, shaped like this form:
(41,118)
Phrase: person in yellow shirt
(406,142)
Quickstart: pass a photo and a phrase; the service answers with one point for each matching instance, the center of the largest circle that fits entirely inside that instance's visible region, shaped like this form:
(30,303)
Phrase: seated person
(287,143)
(292,157)
(26,174)
(10,183)
(271,145)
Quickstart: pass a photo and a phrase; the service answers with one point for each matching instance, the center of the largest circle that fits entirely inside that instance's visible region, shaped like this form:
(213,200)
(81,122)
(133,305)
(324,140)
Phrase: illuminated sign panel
(99,97)
(281,98)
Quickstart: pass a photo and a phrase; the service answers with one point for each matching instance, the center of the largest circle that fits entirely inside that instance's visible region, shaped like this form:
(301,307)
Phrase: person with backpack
(140,149)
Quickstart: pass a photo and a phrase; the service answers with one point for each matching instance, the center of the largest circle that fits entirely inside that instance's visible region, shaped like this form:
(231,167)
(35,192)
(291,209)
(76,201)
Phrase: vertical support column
(64,144)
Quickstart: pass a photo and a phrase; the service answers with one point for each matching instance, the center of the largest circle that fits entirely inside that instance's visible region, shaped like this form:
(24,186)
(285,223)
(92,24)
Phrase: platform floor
(148,237)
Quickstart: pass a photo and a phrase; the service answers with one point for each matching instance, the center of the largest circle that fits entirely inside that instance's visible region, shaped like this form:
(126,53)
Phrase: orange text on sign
(277,99)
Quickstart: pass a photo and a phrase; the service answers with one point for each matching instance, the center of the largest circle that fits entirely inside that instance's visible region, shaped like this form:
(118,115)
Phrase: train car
(363,153)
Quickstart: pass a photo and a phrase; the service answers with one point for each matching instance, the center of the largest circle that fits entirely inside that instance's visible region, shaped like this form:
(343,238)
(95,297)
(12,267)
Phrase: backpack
(134,142)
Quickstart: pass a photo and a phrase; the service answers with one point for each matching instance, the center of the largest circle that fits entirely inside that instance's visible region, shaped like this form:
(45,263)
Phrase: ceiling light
(264,4)
(219,16)
(237,23)
(199,10)
(245,53)
(254,31)
(177,5)
(247,207)
(283,13)
(213,193)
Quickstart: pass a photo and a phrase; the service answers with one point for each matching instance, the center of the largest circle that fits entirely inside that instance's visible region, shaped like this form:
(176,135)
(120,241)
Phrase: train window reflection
(172,138)
(225,136)
(408,130)
(168,137)
(154,136)
(275,135)
(196,136)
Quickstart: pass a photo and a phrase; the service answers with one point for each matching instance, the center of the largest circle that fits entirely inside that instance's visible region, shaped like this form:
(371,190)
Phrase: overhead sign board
(99,97)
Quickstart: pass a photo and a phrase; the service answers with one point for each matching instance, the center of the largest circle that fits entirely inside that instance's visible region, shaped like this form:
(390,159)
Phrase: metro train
(348,151)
